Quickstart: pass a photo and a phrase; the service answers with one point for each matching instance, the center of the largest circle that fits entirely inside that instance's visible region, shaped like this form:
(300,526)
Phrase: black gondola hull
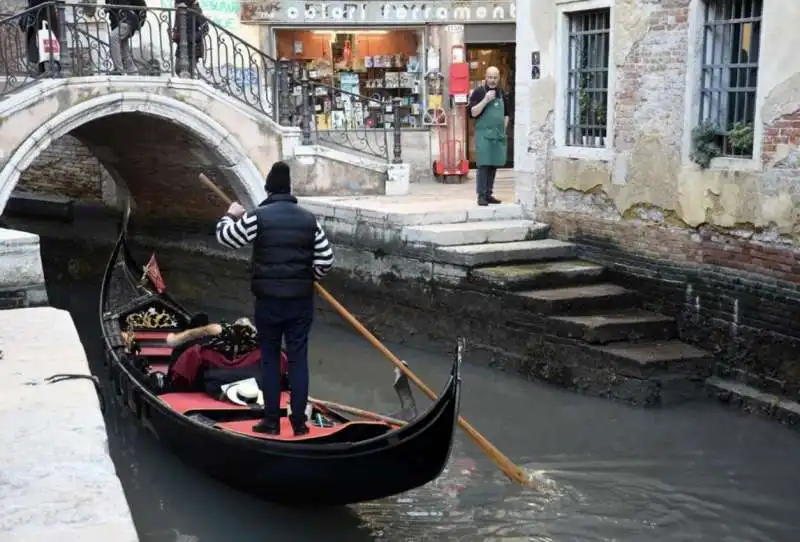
(364,467)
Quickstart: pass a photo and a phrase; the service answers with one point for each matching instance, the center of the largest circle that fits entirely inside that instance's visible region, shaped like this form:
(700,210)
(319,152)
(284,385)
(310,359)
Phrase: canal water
(608,472)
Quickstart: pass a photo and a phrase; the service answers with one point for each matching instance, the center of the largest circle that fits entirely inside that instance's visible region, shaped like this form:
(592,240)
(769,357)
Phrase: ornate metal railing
(18,41)
(80,41)
(337,118)
(165,41)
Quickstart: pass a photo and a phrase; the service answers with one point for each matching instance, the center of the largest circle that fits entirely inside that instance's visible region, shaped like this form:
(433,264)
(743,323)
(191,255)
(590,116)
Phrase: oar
(512,471)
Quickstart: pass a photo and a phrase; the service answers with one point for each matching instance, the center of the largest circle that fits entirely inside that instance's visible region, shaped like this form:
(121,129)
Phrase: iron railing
(587,85)
(352,121)
(731,50)
(180,41)
(163,43)
(335,117)
(19,47)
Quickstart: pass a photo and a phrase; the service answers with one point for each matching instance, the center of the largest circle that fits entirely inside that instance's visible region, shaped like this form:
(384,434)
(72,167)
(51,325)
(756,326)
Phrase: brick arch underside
(155,160)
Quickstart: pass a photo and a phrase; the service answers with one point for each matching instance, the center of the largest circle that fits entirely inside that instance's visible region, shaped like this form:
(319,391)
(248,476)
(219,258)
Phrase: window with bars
(731,45)
(587,77)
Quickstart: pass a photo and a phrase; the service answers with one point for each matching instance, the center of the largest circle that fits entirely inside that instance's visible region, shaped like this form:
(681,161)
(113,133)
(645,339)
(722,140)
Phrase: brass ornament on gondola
(151,318)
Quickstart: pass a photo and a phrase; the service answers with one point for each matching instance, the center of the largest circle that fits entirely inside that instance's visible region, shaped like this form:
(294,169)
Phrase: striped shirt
(237,233)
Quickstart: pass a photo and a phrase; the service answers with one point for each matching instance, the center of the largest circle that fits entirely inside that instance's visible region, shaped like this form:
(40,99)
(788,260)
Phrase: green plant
(704,143)
(583,104)
(601,114)
(740,138)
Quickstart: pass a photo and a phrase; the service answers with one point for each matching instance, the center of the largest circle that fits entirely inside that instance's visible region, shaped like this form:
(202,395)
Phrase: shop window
(357,74)
(731,44)
(587,77)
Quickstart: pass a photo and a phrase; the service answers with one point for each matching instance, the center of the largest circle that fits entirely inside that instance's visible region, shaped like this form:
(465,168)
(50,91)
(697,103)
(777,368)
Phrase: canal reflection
(607,472)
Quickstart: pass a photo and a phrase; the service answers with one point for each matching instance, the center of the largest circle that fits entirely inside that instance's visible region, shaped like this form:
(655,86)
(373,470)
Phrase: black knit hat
(279,180)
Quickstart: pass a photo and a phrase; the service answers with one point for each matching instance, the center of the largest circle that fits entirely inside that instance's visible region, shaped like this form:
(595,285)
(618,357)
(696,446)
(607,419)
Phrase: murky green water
(609,472)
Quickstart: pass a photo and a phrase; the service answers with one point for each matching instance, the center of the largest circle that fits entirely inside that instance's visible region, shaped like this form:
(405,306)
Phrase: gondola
(342,460)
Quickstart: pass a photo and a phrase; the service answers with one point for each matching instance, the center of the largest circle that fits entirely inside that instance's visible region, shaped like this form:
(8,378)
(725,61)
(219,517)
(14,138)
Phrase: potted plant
(704,143)
(740,139)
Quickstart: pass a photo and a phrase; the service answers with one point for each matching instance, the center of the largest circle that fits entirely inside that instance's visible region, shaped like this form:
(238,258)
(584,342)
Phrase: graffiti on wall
(225,13)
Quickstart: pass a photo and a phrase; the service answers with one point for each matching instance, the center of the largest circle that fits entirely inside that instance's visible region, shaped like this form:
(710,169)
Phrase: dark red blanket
(190,363)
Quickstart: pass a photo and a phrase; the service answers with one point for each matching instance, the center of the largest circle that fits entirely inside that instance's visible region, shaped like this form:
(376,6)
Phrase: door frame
(511,85)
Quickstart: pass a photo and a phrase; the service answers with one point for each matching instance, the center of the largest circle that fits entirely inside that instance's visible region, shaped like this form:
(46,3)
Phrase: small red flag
(154,274)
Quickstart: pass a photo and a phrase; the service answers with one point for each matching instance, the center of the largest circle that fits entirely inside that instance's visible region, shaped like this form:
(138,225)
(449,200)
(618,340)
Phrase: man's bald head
(492,77)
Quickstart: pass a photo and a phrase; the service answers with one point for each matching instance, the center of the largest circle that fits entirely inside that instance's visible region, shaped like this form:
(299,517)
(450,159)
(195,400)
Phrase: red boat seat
(156,351)
(185,402)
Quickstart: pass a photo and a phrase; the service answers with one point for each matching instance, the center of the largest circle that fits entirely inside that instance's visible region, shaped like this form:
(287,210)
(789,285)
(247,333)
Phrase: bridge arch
(232,158)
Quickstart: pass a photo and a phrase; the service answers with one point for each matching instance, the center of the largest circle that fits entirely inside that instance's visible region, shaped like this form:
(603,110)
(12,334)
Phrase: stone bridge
(106,137)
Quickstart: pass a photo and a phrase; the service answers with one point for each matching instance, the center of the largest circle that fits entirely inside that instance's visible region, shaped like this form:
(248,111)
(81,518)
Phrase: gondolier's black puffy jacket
(283,250)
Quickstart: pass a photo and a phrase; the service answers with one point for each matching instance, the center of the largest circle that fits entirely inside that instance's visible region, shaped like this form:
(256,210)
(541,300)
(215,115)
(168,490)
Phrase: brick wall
(783,132)
(66,168)
(651,82)
(734,291)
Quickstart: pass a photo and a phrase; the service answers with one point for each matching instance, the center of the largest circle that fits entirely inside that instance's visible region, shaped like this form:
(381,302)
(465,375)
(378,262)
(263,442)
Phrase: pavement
(57,481)
(428,196)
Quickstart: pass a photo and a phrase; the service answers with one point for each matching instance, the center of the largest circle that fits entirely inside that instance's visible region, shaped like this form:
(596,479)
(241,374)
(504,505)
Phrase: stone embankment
(58,481)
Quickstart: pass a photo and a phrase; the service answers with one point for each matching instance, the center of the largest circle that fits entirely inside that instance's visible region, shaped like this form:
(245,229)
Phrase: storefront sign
(377,12)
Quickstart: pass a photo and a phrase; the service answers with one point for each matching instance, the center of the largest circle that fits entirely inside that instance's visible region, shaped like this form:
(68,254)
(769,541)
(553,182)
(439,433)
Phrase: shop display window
(364,78)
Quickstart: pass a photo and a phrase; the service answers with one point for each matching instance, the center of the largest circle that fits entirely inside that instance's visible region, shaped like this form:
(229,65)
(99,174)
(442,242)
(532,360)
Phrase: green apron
(490,135)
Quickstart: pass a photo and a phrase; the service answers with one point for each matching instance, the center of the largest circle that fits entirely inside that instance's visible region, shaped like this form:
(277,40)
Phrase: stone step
(536,275)
(656,354)
(475,233)
(406,211)
(497,253)
(579,299)
(624,325)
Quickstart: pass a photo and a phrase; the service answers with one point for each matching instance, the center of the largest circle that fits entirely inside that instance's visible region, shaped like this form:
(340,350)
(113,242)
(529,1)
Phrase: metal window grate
(587,78)
(731,46)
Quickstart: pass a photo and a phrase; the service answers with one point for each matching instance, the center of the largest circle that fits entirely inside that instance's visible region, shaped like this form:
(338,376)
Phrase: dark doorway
(481,56)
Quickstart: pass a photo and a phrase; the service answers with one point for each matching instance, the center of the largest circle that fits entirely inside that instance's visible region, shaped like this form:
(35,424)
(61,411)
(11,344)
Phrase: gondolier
(290,252)
(490,107)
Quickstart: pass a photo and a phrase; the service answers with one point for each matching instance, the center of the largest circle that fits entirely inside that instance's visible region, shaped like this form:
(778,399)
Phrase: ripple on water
(619,500)
(469,501)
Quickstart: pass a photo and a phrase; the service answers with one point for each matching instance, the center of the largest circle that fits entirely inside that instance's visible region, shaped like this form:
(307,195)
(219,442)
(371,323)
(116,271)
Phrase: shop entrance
(480,57)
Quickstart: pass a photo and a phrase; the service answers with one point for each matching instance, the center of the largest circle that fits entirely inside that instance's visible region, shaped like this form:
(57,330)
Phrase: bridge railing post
(306,109)
(182,60)
(65,52)
(284,101)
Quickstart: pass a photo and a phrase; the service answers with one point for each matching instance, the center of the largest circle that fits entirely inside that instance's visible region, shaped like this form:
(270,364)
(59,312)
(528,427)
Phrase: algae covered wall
(716,246)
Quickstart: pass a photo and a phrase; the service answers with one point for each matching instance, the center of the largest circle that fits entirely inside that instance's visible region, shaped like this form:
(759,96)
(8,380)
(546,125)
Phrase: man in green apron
(490,107)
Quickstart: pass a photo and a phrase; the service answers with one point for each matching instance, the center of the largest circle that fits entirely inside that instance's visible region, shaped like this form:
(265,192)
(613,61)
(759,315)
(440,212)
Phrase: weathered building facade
(663,136)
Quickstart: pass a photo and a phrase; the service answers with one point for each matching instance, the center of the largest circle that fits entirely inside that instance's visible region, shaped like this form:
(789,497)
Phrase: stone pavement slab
(57,481)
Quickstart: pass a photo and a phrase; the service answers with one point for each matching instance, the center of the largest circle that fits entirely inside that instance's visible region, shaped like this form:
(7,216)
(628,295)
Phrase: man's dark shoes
(493,200)
(267,427)
(483,202)
(299,427)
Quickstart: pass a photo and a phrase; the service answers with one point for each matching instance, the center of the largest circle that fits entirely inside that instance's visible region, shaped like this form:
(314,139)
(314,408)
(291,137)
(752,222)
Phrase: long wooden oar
(512,471)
